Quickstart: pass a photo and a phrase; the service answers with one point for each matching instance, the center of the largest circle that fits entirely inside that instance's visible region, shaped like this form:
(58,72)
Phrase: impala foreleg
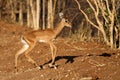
(53,51)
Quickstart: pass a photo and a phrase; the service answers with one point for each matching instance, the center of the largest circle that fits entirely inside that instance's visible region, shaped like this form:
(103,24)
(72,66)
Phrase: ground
(76,60)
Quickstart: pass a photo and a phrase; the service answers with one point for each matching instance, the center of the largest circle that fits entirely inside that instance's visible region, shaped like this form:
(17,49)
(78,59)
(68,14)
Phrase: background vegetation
(93,20)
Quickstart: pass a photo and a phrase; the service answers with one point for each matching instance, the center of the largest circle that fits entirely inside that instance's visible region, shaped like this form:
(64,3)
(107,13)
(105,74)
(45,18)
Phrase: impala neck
(58,29)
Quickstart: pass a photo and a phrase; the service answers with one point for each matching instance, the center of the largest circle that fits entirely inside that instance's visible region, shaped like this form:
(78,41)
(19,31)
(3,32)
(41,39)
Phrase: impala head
(66,23)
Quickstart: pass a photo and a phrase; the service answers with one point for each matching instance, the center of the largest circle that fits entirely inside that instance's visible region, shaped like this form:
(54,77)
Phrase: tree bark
(33,13)
(28,14)
(99,7)
(13,17)
(50,15)
(43,15)
(37,14)
(20,13)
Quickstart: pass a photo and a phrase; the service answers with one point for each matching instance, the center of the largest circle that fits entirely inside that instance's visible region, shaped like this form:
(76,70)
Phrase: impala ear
(61,15)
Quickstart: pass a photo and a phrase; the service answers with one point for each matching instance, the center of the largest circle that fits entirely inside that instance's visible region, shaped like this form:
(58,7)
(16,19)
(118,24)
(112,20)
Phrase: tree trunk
(119,37)
(1,2)
(20,14)
(112,16)
(13,17)
(37,14)
(33,14)
(58,6)
(43,15)
(104,36)
(53,14)
(0,13)
(50,13)
(28,14)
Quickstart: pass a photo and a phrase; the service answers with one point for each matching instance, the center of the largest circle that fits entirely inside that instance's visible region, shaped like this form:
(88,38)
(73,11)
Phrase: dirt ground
(76,60)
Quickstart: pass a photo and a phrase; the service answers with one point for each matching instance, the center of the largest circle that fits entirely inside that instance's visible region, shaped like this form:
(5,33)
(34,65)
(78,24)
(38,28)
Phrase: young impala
(47,36)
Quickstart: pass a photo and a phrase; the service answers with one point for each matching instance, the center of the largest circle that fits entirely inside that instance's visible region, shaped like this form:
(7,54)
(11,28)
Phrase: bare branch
(79,6)
(107,4)
(97,8)
(101,7)
(95,12)
(91,6)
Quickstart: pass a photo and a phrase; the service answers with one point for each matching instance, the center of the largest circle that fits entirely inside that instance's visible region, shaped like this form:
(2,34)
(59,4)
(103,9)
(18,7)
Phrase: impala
(47,36)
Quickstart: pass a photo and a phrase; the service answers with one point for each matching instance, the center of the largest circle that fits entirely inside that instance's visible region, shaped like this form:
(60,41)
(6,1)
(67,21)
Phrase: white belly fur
(42,41)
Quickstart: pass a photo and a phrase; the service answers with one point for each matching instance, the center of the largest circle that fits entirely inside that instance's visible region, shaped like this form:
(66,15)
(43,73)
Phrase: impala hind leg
(21,51)
(28,57)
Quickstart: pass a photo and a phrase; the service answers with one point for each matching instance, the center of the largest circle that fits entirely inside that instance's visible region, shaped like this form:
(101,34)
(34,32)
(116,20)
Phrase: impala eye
(66,21)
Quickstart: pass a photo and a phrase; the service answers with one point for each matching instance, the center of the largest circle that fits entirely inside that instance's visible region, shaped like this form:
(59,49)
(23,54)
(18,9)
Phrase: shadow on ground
(69,59)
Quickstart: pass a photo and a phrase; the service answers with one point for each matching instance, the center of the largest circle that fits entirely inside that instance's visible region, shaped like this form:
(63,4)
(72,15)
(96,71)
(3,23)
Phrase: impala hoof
(38,67)
(53,66)
(16,69)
